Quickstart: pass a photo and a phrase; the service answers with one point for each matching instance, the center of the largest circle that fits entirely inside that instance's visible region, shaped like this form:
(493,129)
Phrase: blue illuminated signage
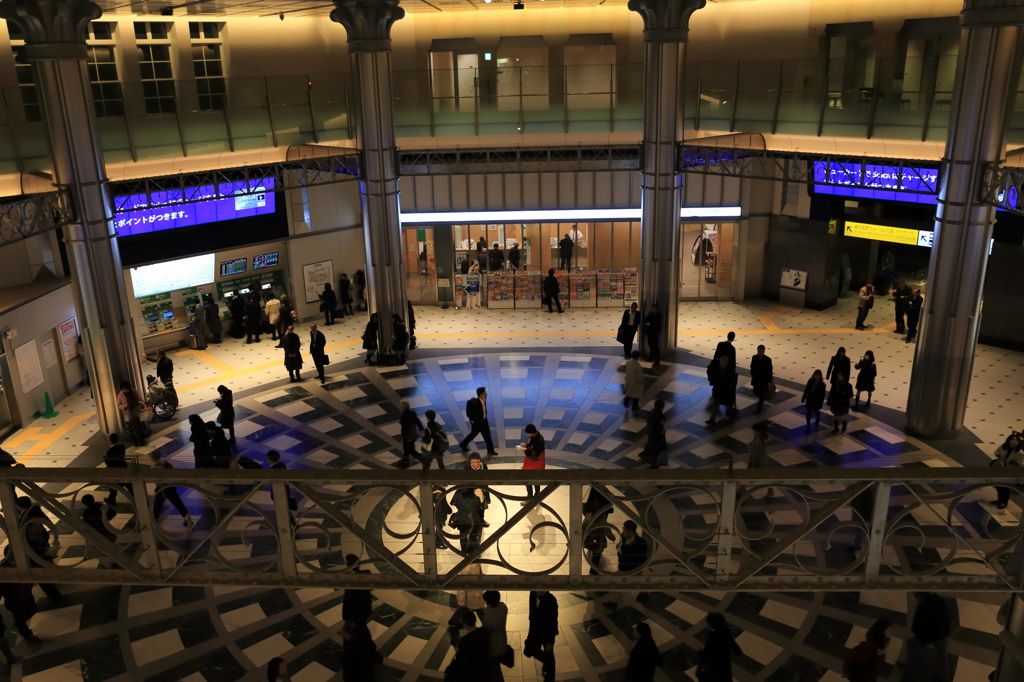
(139,214)
(871,181)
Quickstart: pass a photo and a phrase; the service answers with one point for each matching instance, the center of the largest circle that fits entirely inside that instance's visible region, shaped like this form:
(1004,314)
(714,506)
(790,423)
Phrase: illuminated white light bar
(560,215)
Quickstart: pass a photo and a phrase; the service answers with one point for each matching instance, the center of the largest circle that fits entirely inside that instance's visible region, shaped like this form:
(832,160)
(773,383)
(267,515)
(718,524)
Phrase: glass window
(26,85)
(106,88)
(157,78)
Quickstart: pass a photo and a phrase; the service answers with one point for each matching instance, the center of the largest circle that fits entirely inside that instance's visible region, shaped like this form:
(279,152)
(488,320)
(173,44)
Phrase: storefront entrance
(706,261)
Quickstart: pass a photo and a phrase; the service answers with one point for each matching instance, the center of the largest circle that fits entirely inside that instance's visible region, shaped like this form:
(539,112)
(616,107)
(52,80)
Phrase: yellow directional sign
(882,233)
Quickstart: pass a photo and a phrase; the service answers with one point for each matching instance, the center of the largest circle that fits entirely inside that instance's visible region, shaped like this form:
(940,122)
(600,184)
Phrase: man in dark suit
(317,348)
(727,349)
(914,313)
(253,318)
(472,661)
(551,290)
(652,333)
(476,413)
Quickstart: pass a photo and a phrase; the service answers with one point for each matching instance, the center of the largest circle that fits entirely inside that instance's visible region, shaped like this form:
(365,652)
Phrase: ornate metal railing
(34,214)
(759,530)
(1003,187)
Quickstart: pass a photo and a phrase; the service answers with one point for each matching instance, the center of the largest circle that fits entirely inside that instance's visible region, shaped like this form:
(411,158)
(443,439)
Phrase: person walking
(761,376)
(168,493)
(551,291)
(92,515)
(164,368)
(213,321)
(284,319)
(543,629)
(1006,455)
(357,606)
(476,413)
(644,657)
(865,377)
(813,398)
(468,519)
(202,455)
(359,653)
(292,353)
(839,400)
(494,619)
(839,364)
(131,402)
(473,287)
(400,336)
(565,247)
(627,329)
(328,303)
(865,301)
(411,428)
(652,333)
(914,313)
(656,448)
(345,295)
(272,309)
(714,661)
(220,449)
(533,458)
(253,318)
(723,392)
(226,415)
(633,386)
(472,662)
(318,349)
(866,661)
(931,627)
(726,348)
(435,441)
(370,334)
(596,510)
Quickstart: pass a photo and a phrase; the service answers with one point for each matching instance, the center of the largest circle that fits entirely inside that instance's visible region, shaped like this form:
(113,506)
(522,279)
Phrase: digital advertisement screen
(264,260)
(918,185)
(172,275)
(167,211)
(232,267)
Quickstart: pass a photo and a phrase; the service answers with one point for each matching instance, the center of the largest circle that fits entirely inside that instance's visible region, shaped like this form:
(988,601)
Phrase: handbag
(146,414)
(623,335)
(327,360)
(428,445)
(769,391)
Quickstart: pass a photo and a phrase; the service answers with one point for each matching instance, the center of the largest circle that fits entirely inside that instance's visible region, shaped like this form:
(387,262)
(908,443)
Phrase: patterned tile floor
(562,373)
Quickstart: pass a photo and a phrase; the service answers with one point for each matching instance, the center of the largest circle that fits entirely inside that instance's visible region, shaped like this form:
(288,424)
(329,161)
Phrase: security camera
(281,16)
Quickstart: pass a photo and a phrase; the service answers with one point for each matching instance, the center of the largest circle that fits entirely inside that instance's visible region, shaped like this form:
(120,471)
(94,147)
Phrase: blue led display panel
(877,182)
(167,210)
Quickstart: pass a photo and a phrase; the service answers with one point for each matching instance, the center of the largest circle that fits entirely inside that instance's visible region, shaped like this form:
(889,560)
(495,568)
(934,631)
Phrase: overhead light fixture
(487,1)
(562,215)
(518,5)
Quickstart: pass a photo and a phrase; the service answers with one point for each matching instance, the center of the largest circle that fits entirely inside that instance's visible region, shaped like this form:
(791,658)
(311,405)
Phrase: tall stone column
(666,28)
(987,73)
(368,23)
(55,37)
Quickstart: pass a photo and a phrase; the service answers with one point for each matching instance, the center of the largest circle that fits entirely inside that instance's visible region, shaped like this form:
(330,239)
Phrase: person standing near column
(914,313)
(318,349)
(627,330)
(370,336)
(865,301)
(652,333)
(476,413)
(761,375)
(292,353)
(345,290)
(540,638)
(412,427)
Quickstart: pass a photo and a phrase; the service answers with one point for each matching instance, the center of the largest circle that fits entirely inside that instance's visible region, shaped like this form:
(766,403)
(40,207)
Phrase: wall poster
(315,276)
(68,333)
(29,370)
(49,354)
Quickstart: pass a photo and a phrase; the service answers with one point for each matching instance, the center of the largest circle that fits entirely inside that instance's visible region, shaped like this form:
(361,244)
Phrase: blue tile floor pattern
(221,634)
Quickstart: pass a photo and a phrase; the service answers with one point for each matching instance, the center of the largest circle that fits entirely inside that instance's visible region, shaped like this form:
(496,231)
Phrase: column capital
(666,21)
(368,23)
(978,13)
(54,29)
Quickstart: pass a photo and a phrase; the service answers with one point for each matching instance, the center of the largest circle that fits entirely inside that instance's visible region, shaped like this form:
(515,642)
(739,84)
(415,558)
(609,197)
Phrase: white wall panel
(476,192)
(603,189)
(495,191)
(567,187)
(458,192)
(621,194)
(531,190)
(585,189)
(513,191)
(440,190)
(548,190)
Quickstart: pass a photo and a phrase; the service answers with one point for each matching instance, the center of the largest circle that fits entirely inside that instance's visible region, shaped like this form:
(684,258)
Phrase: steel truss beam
(34,214)
(761,530)
(518,160)
(1003,187)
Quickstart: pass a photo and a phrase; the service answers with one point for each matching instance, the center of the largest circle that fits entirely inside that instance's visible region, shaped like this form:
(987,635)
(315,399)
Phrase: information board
(233,267)
(173,275)
(27,358)
(315,276)
(887,233)
(49,354)
(141,214)
(265,260)
(68,335)
(794,279)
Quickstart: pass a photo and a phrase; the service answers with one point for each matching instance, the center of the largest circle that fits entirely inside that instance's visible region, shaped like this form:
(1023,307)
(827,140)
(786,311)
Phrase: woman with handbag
(627,329)
(533,459)
(715,659)
(435,441)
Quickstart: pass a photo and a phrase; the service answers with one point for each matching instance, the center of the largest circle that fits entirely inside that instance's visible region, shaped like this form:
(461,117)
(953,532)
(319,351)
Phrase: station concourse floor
(556,371)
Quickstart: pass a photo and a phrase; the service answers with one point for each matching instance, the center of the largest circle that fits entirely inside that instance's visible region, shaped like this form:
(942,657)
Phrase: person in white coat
(273,311)
(634,386)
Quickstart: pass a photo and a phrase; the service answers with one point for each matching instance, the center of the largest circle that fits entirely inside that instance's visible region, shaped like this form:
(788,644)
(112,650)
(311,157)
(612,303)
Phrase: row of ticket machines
(168,315)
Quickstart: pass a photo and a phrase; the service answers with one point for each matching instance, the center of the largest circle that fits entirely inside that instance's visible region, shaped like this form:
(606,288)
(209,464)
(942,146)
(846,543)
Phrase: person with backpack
(435,441)
(476,413)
